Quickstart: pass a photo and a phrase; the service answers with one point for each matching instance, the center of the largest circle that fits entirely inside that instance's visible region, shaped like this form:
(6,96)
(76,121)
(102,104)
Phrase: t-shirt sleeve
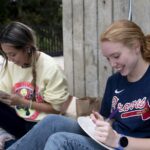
(56,91)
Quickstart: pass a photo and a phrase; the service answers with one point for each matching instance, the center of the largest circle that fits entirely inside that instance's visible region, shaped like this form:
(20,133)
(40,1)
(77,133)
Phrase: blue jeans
(56,132)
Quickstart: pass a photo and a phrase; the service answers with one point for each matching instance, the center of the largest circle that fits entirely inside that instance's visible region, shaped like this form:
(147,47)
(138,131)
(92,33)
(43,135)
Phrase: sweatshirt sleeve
(5,80)
(56,90)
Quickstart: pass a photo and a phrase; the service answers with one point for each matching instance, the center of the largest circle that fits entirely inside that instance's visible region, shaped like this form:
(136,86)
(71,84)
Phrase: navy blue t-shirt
(132,99)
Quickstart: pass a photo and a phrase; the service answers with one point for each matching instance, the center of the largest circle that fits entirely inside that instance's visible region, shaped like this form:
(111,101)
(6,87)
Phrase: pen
(112,115)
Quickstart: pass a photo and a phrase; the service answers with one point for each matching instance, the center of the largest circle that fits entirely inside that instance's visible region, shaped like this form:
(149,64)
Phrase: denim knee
(70,141)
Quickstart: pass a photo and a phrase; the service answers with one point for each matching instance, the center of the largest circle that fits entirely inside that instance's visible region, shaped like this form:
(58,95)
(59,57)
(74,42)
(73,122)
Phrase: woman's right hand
(95,116)
(4,97)
(103,130)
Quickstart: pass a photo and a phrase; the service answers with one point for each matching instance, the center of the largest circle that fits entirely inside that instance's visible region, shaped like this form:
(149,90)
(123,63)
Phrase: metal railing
(49,39)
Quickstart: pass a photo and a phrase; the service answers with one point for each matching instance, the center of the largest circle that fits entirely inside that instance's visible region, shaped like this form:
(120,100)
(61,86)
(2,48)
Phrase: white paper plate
(88,126)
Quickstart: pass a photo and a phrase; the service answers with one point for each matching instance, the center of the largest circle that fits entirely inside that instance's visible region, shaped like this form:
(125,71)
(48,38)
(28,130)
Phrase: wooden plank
(104,19)
(78,48)
(83,22)
(68,43)
(120,9)
(141,14)
(91,48)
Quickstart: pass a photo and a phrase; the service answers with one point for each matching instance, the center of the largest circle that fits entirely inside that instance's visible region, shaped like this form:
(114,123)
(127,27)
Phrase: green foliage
(44,16)
(43,12)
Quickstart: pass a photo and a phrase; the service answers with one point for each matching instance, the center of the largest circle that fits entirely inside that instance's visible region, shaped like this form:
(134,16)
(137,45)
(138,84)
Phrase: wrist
(122,142)
(30,104)
(21,102)
(116,142)
(26,104)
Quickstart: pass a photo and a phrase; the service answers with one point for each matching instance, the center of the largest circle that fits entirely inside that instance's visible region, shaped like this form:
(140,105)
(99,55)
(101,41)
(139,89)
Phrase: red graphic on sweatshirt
(26,90)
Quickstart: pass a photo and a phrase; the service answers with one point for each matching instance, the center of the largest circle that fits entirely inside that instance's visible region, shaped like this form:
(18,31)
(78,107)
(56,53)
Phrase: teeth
(118,69)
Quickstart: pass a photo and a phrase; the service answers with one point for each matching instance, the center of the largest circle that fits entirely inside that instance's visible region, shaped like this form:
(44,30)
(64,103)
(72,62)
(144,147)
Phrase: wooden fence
(83,22)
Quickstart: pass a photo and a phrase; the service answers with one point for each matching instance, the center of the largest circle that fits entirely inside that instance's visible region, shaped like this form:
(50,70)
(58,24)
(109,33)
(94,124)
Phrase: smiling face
(122,59)
(17,56)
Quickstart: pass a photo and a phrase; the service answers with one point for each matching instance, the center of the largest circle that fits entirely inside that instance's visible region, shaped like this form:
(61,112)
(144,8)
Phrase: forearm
(41,107)
(138,144)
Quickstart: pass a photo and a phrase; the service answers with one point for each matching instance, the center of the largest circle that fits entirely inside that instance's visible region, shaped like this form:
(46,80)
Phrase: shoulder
(46,57)
(46,61)
(48,64)
(148,72)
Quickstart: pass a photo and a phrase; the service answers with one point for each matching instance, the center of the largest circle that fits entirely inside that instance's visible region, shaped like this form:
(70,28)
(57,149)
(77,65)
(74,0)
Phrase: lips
(120,68)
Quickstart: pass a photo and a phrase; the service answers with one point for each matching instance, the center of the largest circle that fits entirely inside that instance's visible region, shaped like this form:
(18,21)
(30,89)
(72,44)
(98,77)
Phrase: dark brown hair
(21,37)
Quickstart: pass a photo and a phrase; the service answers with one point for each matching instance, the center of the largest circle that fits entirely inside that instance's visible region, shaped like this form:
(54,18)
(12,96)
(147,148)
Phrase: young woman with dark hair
(32,85)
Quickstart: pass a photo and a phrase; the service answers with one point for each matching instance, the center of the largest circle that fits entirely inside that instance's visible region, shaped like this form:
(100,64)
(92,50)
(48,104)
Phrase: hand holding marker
(112,115)
(97,116)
